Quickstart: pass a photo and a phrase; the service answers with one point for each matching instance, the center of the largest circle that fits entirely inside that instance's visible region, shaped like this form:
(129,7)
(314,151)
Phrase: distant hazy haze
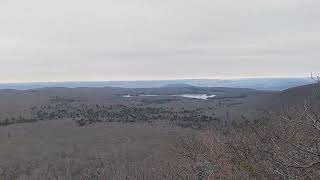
(63,40)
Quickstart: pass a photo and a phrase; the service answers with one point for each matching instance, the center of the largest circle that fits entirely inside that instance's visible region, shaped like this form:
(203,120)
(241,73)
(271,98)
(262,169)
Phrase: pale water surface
(196,96)
(192,96)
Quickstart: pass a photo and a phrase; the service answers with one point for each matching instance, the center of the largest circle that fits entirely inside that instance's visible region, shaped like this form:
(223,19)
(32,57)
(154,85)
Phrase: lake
(191,96)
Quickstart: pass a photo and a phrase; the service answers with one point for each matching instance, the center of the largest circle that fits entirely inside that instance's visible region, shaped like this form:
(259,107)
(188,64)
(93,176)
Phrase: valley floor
(57,143)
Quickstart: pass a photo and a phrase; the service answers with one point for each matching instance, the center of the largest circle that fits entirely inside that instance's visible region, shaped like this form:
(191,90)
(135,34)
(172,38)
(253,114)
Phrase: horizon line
(169,79)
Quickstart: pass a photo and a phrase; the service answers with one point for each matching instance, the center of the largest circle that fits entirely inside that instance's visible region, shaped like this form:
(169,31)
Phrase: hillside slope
(296,96)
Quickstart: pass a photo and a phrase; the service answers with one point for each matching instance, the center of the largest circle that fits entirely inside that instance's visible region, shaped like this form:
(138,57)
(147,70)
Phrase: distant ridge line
(273,84)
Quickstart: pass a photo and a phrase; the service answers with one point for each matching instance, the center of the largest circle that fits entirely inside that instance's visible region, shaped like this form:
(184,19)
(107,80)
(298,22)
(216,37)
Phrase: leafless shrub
(203,156)
(285,146)
(315,78)
(280,147)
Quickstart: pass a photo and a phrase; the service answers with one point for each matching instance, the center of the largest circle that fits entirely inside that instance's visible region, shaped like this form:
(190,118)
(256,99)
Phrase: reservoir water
(191,96)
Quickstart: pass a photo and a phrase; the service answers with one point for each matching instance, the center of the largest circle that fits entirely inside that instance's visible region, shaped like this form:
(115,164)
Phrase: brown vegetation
(141,141)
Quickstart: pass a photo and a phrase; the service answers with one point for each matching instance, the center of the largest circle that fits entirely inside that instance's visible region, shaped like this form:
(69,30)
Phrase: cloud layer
(63,40)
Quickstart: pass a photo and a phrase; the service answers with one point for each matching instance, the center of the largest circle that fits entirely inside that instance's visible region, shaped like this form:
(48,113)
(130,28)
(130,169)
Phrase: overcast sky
(88,40)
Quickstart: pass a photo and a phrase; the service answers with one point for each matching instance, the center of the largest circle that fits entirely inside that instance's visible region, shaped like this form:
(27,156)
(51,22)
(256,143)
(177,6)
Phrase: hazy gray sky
(63,40)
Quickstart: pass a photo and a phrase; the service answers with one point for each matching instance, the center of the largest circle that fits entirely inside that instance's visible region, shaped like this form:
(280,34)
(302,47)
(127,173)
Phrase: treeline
(85,114)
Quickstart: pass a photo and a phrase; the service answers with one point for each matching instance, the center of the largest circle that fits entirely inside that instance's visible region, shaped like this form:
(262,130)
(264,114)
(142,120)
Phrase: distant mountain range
(268,84)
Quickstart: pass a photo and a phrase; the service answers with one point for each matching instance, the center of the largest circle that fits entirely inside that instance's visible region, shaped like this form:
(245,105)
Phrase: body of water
(197,96)
(191,96)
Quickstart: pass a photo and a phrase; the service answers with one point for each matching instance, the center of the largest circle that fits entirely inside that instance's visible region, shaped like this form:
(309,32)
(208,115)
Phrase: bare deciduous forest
(239,134)
(159,90)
